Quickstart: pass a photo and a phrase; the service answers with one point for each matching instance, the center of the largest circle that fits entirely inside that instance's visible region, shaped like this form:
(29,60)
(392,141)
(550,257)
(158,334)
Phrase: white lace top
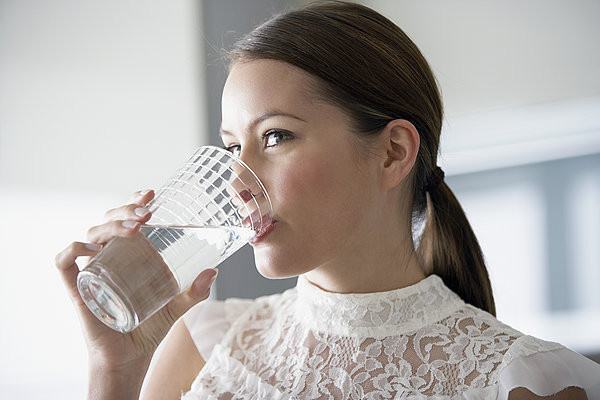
(417,342)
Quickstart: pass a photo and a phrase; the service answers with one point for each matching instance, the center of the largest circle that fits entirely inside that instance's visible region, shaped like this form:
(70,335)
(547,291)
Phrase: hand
(108,348)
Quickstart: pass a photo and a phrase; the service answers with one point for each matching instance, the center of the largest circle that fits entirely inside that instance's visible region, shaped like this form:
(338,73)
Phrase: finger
(66,265)
(103,233)
(197,292)
(129,211)
(141,197)
(200,288)
(139,200)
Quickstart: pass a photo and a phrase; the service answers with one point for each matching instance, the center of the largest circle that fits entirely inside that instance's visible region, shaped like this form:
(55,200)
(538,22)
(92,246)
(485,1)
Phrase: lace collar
(378,314)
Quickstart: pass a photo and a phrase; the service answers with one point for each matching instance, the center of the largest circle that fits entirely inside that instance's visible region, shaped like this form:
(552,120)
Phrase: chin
(274,267)
(271,271)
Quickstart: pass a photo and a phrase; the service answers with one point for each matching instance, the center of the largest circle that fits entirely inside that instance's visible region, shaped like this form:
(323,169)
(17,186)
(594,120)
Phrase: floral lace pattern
(421,341)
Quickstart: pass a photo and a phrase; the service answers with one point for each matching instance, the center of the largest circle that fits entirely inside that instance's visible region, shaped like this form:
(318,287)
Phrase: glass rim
(237,159)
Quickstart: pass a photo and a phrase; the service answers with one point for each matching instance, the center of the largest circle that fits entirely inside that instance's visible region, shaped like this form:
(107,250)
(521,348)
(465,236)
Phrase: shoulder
(486,349)
(212,312)
(208,322)
(531,366)
(545,368)
(473,344)
(469,324)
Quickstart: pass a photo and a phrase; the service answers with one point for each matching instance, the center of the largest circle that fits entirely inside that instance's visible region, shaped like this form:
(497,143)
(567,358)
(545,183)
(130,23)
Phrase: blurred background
(99,99)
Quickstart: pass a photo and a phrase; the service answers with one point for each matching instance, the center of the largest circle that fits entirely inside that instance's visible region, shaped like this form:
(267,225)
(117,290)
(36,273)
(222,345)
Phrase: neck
(370,266)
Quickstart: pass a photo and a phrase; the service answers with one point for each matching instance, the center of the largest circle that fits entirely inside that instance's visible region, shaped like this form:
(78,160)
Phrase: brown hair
(369,67)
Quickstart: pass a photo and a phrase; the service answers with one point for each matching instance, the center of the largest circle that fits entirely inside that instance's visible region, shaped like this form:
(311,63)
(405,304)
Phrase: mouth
(264,232)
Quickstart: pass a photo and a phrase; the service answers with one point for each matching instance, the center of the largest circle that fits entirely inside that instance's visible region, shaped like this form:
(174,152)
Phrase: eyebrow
(263,117)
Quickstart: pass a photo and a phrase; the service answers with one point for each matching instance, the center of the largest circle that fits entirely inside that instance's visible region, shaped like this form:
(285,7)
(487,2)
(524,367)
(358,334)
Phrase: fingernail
(141,211)
(143,192)
(199,284)
(93,246)
(214,276)
(129,224)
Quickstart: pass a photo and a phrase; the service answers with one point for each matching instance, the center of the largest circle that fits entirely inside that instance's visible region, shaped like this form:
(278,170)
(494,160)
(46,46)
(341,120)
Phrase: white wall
(97,95)
(496,54)
(97,99)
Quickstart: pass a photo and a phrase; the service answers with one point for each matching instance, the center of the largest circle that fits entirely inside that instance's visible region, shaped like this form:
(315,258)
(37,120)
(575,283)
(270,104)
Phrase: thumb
(200,288)
(198,291)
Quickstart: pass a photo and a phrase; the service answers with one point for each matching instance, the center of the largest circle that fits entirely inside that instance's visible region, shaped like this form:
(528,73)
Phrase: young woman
(339,114)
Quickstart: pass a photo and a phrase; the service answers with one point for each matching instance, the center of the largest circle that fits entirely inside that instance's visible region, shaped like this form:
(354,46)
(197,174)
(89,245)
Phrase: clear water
(189,249)
(132,278)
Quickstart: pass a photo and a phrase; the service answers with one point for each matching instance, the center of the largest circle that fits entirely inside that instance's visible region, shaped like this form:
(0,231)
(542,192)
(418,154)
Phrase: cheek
(320,199)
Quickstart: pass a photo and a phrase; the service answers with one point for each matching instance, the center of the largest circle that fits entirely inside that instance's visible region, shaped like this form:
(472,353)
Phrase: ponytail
(449,249)
(369,67)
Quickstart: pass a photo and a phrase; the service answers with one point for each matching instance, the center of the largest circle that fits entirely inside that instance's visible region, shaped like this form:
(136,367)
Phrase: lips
(265,222)
(263,232)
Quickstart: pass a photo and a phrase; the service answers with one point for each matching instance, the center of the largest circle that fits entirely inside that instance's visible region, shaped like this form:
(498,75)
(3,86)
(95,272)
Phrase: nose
(248,195)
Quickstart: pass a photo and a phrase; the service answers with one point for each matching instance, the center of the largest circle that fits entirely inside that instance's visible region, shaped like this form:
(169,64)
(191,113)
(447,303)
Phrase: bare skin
(569,393)
(118,362)
(343,239)
(343,219)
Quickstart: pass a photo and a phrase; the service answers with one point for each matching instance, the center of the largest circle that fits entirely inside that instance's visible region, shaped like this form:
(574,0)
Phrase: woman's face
(303,152)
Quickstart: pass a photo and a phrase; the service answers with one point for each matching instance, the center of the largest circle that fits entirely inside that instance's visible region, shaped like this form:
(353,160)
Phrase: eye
(229,149)
(277,134)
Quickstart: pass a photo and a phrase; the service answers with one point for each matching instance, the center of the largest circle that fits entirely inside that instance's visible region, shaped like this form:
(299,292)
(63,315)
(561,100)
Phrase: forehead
(255,86)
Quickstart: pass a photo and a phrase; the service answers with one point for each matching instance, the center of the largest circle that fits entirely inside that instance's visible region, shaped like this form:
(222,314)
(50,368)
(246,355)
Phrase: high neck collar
(377,314)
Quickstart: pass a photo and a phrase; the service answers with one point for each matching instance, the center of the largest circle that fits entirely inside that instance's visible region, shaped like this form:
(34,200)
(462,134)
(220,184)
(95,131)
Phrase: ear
(401,141)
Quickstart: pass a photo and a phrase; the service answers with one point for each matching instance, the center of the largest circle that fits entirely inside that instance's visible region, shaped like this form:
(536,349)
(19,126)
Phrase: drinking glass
(211,207)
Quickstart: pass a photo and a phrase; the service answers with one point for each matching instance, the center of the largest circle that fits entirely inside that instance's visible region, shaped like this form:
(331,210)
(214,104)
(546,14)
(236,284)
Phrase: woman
(339,114)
